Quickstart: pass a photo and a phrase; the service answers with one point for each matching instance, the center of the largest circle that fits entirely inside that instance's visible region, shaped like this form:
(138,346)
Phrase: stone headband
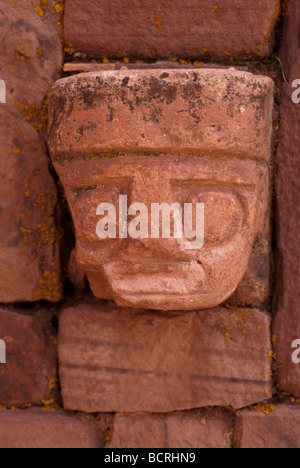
(211,112)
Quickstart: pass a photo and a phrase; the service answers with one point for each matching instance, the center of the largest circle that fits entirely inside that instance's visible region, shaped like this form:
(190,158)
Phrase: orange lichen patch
(181,30)
(183,62)
(226,329)
(21,57)
(68,48)
(153,53)
(273,338)
(14,408)
(108,435)
(198,63)
(39,52)
(49,288)
(213,10)
(258,327)
(39,11)
(126,60)
(265,409)
(158,20)
(54,340)
(35,116)
(105,59)
(52,384)
(16,150)
(48,234)
(58,7)
(274,21)
(50,405)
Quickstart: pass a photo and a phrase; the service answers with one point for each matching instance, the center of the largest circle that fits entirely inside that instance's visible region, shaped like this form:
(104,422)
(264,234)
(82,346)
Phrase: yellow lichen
(198,63)
(48,234)
(158,20)
(16,150)
(21,57)
(265,409)
(35,116)
(68,48)
(39,11)
(49,288)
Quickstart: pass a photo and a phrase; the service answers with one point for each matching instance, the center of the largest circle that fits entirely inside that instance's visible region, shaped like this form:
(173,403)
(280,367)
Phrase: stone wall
(87,364)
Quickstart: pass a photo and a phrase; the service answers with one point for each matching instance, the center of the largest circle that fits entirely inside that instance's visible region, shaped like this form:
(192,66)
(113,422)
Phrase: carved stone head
(189,138)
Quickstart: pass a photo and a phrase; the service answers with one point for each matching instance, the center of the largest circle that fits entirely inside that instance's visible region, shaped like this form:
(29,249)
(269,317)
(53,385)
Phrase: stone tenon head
(172,136)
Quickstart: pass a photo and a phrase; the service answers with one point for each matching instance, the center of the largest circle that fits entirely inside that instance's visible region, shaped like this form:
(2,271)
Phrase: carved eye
(223,215)
(84,211)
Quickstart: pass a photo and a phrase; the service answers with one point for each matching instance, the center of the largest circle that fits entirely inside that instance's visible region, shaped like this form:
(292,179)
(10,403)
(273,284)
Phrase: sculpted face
(150,271)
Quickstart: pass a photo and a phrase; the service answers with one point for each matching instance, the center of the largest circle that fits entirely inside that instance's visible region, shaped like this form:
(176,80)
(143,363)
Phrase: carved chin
(173,286)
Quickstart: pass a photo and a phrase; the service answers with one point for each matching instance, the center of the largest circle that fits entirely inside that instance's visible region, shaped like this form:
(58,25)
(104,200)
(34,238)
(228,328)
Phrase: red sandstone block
(31,55)
(35,428)
(287,322)
(278,429)
(122,360)
(30,360)
(167,29)
(190,429)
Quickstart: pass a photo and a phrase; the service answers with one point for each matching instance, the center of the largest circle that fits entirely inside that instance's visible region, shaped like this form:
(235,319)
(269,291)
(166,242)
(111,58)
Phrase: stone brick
(123,360)
(35,428)
(190,429)
(151,29)
(278,429)
(30,360)
(287,323)
(31,55)
(151,113)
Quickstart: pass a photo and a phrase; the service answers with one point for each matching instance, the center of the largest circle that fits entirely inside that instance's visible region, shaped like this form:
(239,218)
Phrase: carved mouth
(145,279)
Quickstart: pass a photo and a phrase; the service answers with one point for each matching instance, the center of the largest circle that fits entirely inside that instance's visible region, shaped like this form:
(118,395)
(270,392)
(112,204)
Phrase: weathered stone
(29,264)
(76,274)
(190,429)
(287,323)
(30,360)
(96,116)
(31,57)
(254,289)
(210,112)
(123,360)
(35,428)
(30,51)
(278,429)
(150,29)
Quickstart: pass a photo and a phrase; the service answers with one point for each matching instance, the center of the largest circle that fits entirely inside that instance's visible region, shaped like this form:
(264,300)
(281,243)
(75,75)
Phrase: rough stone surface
(190,429)
(123,360)
(165,29)
(31,55)
(279,429)
(287,323)
(30,360)
(206,112)
(76,274)
(35,428)
(151,112)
